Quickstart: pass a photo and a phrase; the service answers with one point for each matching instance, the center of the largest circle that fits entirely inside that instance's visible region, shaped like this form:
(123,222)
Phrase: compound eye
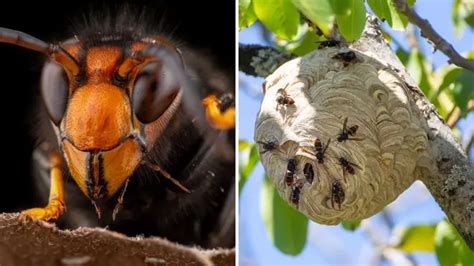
(154,90)
(55,90)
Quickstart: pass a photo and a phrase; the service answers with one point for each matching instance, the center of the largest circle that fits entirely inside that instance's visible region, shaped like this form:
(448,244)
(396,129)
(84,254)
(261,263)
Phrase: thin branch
(397,257)
(454,117)
(406,257)
(428,32)
(384,251)
(455,114)
(411,38)
(260,61)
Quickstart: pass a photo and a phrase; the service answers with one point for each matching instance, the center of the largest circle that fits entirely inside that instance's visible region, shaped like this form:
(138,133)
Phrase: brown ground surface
(27,241)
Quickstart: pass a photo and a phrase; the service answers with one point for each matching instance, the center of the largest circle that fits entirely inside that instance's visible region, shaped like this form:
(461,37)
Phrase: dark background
(199,24)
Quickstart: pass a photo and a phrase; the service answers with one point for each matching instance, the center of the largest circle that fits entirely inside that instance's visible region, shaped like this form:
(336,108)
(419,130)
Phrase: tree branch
(28,241)
(260,61)
(428,32)
(451,179)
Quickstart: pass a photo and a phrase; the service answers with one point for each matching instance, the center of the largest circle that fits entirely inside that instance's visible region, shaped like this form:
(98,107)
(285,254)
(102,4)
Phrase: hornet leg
(56,204)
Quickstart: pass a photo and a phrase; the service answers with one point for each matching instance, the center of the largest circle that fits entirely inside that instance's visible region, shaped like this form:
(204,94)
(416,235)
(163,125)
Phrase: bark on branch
(439,42)
(260,61)
(27,241)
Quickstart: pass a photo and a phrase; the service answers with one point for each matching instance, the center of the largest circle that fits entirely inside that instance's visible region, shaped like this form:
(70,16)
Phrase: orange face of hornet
(97,129)
(101,136)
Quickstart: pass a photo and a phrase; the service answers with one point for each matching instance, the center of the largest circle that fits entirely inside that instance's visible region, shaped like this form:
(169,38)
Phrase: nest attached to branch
(339,137)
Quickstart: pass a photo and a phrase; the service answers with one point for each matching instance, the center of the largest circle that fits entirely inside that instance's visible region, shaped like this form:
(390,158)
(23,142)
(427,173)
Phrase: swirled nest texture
(323,92)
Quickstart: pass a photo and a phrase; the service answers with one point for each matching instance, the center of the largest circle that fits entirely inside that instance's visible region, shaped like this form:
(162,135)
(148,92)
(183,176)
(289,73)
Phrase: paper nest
(325,93)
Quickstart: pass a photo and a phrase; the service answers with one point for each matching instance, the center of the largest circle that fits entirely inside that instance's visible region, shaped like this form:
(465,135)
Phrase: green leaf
(399,21)
(449,78)
(456,16)
(446,244)
(248,158)
(451,249)
(445,238)
(351,225)
(462,13)
(468,12)
(402,55)
(470,55)
(306,41)
(251,162)
(470,19)
(318,11)
(411,2)
(286,227)
(246,14)
(340,7)
(243,144)
(463,90)
(417,67)
(279,16)
(381,9)
(352,22)
(445,104)
(307,44)
(418,238)
(444,79)
(466,256)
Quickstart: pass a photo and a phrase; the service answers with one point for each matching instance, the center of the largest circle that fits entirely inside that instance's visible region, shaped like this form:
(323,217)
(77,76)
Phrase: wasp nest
(338,136)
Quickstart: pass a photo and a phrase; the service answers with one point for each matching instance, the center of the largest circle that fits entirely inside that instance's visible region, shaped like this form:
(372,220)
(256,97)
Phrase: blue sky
(330,245)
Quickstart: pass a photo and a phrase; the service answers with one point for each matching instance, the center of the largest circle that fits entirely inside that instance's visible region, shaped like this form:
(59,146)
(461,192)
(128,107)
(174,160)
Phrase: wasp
(268,145)
(122,105)
(290,172)
(328,43)
(320,149)
(346,57)
(346,132)
(308,172)
(283,98)
(337,195)
(295,195)
(347,166)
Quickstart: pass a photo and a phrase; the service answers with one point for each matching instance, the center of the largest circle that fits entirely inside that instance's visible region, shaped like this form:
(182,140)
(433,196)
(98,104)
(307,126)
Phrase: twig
(411,38)
(455,115)
(384,251)
(428,32)
(388,252)
(396,257)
